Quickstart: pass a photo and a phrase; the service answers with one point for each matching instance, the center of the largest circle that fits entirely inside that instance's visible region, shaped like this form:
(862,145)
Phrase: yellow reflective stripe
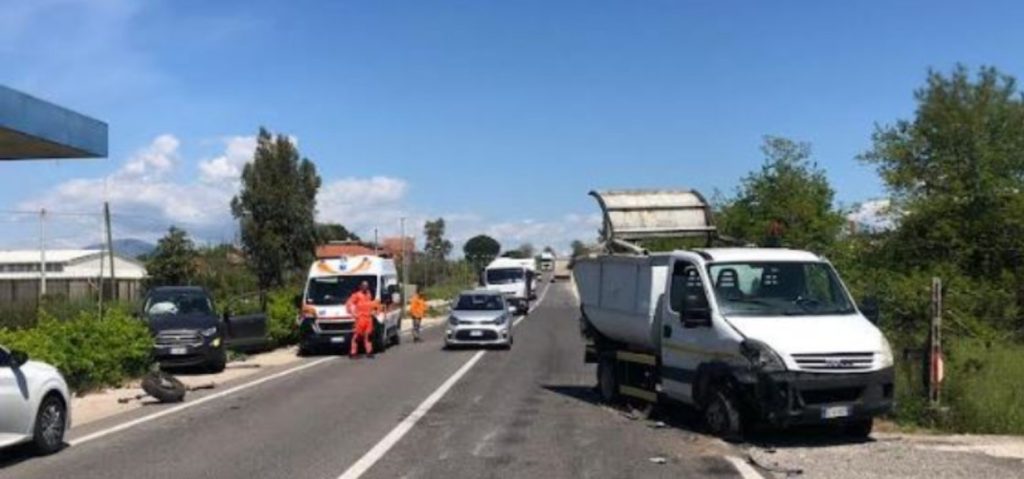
(636,358)
(638,393)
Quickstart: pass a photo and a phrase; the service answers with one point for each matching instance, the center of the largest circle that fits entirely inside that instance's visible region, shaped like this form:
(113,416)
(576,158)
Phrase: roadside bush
(281,314)
(90,352)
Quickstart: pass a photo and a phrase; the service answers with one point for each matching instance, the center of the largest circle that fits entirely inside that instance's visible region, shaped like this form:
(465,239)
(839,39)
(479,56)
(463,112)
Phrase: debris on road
(775,467)
(658,460)
(657,425)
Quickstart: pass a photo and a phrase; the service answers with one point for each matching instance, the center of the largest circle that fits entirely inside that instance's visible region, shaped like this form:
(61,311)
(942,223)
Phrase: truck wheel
(607,381)
(860,429)
(48,433)
(722,415)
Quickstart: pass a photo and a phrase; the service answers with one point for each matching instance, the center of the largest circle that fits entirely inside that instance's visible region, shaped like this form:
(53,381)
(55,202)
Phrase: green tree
(578,248)
(956,174)
(481,250)
(788,202)
(436,246)
(327,232)
(275,208)
(173,262)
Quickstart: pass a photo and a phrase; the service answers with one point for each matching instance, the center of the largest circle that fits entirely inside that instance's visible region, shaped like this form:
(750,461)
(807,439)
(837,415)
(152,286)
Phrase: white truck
(546,261)
(745,335)
(323,320)
(513,277)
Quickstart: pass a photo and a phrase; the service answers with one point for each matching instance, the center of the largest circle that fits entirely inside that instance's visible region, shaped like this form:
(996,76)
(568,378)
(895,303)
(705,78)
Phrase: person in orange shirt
(417,310)
(362,306)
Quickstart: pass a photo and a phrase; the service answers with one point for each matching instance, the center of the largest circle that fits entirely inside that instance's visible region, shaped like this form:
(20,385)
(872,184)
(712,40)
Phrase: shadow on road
(681,416)
(14,455)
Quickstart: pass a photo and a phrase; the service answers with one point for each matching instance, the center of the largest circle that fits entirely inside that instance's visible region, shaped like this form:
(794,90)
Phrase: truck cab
(323,319)
(773,334)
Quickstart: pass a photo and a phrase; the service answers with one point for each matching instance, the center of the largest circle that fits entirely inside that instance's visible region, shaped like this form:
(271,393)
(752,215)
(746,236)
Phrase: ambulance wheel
(379,341)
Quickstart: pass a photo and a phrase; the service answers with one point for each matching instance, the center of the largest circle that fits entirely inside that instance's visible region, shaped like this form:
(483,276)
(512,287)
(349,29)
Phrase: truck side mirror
(869,308)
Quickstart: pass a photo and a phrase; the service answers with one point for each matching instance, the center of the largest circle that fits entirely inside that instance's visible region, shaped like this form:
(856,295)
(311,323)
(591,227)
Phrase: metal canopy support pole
(110,249)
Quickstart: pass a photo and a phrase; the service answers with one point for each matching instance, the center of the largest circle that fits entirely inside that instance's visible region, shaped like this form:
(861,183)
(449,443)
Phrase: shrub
(281,314)
(90,352)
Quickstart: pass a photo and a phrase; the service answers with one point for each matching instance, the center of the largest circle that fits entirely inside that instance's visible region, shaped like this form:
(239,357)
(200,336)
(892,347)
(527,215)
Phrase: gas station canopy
(31,128)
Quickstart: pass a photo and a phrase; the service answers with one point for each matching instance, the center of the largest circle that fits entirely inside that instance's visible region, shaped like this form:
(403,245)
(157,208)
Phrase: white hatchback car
(34,403)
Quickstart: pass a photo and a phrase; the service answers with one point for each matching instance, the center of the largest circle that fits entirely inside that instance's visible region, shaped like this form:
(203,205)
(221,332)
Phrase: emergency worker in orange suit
(362,306)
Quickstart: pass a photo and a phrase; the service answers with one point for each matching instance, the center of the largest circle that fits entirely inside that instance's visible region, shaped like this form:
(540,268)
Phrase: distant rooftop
(31,128)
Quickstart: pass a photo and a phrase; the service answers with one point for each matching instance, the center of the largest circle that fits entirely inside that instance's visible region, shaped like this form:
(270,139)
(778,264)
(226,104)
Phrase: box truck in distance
(745,335)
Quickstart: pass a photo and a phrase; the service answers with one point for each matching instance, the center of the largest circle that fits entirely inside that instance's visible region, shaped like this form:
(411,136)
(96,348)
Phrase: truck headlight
(761,356)
(885,359)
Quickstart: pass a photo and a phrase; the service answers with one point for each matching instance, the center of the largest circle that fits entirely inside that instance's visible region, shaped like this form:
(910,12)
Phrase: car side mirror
(511,308)
(12,359)
(869,308)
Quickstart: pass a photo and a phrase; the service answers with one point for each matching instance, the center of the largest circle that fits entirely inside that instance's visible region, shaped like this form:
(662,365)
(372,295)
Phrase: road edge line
(746,471)
(388,441)
(205,399)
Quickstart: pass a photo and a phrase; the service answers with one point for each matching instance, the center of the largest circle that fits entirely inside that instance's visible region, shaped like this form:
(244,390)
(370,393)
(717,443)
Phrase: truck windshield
(177,302)
(778,289)
(479,302)
(504,275)
(335,290)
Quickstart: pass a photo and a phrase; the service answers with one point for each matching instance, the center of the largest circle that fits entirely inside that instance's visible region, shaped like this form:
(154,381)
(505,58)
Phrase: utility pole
(42,253)
(375,242)
(935,360)
(110,249)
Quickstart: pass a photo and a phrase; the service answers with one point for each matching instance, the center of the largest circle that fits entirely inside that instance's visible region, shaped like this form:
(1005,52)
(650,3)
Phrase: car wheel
(51,420)
(860,429)
(607,381)
(218,362)
(163,386)
(722,415)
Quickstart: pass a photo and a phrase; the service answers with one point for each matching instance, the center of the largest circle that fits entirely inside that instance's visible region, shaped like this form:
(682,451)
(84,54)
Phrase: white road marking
(378,451)
(197,402)
(745,470)
(374,454)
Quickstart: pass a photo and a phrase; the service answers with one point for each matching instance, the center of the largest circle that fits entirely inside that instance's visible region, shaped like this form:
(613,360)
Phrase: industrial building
(72,274)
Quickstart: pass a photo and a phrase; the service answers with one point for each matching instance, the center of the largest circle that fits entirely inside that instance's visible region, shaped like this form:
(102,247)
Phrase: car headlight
(761,356)
(208,331)
(885,358)
(501,319)
(453,321)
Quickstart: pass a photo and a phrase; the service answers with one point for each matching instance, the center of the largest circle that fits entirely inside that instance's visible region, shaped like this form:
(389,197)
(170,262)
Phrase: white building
(69,273)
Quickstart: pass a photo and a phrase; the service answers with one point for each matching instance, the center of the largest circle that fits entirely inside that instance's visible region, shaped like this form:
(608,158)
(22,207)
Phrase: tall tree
(275,207)
(327,232)
(956,174)
(436,246)
(481,250)
(788,202)
(526,250)
(173,262)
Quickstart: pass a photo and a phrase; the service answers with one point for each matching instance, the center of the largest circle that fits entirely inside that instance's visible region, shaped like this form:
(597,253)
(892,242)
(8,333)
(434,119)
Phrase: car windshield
(177,302)
(479,302)
(504,275)
(778,289)
(335,290)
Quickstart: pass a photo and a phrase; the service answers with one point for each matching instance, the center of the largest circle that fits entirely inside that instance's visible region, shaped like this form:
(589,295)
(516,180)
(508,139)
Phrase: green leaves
(173,262)
(480,250)
(788,202)
(275,208)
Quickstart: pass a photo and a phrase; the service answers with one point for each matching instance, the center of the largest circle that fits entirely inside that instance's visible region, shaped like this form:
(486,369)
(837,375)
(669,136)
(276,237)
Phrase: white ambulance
(323,319)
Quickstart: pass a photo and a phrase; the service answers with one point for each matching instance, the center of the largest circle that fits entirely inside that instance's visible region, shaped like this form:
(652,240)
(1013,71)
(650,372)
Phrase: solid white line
(385,444)
(373,455)
(745,470)
(202,400)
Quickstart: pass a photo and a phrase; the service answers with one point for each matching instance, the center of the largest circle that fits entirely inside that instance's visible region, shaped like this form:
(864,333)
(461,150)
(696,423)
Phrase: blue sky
(497,115)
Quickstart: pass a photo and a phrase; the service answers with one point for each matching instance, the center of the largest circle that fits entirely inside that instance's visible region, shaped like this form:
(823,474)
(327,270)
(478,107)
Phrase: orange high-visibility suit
(362,306)
(417,310)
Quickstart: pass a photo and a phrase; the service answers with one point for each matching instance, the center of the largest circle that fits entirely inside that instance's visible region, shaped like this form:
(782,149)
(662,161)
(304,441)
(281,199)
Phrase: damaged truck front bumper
(793,398)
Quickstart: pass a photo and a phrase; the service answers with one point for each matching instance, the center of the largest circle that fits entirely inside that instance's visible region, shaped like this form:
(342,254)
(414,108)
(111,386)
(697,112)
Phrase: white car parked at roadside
(33,403)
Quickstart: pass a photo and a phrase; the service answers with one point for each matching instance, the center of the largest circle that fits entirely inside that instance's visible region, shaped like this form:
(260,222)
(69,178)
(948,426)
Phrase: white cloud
(227,168)
(153,161)
(876,214)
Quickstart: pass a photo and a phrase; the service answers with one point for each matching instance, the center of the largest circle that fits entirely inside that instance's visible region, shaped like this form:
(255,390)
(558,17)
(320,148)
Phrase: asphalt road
(528,412)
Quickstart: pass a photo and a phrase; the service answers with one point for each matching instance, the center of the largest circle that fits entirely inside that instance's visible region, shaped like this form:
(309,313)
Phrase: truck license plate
(835,411)
(476,334)
(338,339)
(179,351)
